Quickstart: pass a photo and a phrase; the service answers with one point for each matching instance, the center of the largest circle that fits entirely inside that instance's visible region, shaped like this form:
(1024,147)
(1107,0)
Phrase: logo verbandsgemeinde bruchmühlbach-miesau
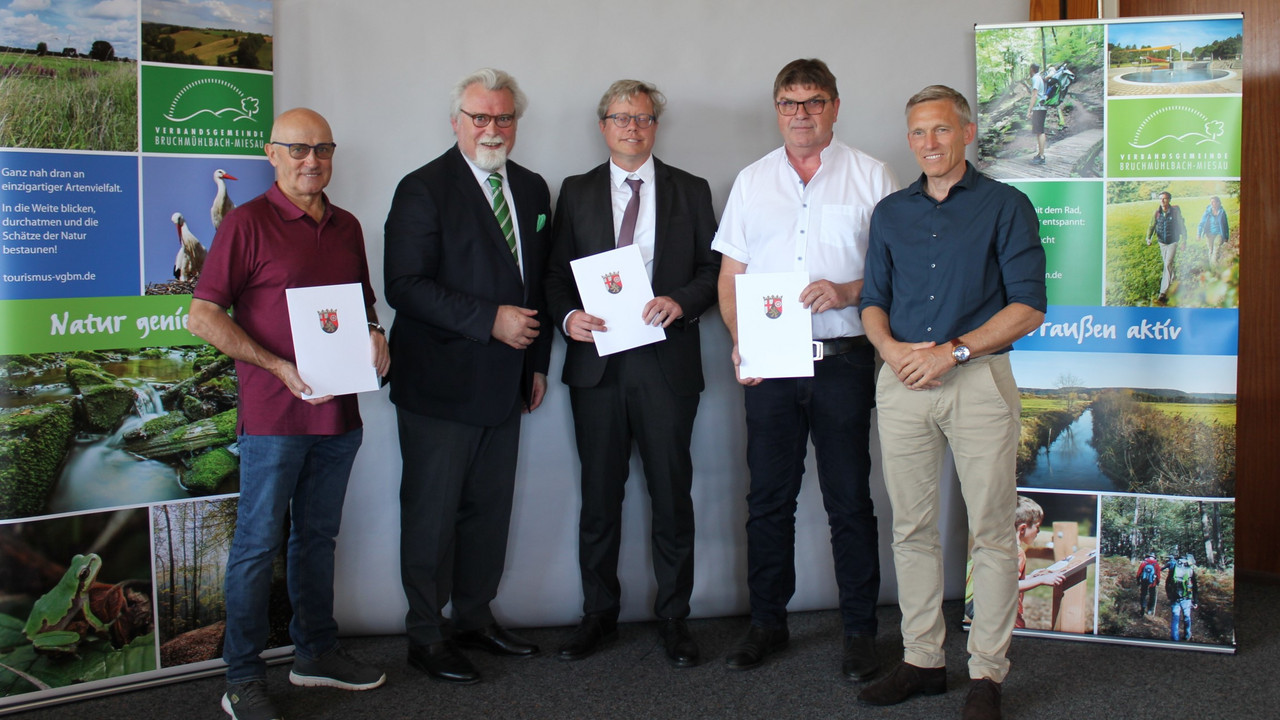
(189,110)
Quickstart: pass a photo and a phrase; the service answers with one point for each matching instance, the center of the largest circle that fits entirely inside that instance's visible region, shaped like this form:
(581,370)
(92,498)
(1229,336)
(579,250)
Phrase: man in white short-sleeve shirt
(807,206)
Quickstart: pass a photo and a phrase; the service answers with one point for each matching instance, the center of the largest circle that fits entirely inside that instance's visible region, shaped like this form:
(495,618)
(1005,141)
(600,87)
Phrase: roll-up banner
(1125,135)
(127,131)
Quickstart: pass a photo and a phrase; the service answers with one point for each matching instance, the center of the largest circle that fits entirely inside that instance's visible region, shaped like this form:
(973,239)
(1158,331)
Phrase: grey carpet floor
(631,679)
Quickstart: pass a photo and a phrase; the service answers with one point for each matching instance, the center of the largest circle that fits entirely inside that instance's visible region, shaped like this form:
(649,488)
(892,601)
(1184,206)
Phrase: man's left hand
(822,295)
(924,366)
(539,392)
(380,355)
(661,311)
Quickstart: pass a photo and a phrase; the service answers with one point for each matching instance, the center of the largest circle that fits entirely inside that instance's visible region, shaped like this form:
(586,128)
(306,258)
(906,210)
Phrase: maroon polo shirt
(262,247)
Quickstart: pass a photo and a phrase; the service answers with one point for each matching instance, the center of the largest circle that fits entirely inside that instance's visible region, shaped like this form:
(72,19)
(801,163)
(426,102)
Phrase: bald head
(302,179)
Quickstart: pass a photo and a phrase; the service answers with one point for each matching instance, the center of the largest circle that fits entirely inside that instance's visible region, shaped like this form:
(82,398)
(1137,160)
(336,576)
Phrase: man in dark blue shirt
(955,274)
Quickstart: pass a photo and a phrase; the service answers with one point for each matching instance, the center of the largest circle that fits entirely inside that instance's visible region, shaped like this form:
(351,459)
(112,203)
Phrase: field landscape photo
(69,75)
(235,34)
(1199,533)
(1204,275)
(1094,422)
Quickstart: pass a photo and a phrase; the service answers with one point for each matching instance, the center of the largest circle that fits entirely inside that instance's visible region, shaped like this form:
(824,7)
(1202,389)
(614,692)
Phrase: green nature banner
(1126,136)
(120,153)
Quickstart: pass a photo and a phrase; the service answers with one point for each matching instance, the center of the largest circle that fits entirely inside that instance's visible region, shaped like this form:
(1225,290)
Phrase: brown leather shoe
(983,701)
(903,683)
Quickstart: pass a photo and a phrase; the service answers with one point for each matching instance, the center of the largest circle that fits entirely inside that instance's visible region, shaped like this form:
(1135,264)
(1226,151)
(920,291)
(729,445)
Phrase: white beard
(490,158)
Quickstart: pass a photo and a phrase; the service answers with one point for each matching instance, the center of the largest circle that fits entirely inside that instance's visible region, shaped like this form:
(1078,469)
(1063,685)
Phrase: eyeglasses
(482,120)
(622,120)
(299,151)
(812,106)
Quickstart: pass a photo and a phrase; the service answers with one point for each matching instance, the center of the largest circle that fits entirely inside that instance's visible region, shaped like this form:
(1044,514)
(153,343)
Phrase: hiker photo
(1040,101)
(1168,569)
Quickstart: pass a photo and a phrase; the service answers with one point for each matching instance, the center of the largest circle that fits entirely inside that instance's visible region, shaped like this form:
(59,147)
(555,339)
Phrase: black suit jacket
(447,269)
(684,266)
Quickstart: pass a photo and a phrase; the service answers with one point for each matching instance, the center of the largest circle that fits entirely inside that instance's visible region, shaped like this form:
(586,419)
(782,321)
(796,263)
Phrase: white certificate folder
(775,333)
(331,339)
(614,287)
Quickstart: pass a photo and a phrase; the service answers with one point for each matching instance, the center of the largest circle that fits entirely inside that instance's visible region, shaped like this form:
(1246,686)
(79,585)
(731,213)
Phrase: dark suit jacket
(684,266)
(447,269)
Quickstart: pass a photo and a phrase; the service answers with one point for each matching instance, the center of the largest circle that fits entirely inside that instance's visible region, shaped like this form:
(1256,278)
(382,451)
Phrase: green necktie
(503,213)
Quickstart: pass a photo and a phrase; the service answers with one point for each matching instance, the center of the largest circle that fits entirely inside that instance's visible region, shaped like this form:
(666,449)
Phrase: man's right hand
(287,373)
(581,324)
(516,326)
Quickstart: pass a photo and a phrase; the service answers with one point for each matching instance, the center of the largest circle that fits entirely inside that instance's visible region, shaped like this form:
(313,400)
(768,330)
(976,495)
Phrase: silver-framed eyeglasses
(299,151)
(482,120)
(812,106)
(622,120)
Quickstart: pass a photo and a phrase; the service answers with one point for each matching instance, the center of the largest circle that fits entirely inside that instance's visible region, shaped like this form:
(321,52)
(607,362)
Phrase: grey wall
(381,71)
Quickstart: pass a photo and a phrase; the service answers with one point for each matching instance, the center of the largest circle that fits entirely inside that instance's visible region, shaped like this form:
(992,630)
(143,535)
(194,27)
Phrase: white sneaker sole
(317,681)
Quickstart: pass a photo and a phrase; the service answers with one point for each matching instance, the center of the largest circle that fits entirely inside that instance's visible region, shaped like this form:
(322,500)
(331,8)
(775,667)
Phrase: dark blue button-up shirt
(942,269)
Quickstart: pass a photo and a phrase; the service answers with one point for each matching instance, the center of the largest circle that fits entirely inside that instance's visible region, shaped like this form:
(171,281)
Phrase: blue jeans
(834,409)
(1181,616)
(306,476)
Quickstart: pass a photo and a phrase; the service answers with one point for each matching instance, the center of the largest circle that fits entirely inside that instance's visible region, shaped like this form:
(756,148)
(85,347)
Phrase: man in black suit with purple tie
(647,395)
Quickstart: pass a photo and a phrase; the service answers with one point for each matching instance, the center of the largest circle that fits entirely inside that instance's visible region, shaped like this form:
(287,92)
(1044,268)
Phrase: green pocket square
(542,220)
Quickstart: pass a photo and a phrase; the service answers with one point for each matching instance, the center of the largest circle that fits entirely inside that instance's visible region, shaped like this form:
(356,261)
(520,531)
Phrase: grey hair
(491,79)
(624,90)
(942,92)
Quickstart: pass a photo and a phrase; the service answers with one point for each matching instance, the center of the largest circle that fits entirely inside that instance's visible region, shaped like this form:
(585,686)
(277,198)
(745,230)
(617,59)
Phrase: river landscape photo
(1089,424)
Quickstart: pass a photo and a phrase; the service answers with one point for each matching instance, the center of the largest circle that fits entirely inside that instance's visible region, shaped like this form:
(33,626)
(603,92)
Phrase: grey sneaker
(249,701)
(335,669)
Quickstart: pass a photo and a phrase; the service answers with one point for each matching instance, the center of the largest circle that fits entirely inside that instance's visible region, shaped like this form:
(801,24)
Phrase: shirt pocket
(843,225)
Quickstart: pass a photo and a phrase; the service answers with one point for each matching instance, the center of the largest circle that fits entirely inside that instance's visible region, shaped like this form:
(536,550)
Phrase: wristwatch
(378,328)
(959,351)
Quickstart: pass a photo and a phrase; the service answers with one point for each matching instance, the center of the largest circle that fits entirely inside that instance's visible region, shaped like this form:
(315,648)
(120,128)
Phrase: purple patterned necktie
(627,233)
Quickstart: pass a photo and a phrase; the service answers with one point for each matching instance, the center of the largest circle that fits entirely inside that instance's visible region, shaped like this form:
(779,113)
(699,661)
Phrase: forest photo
(1204,263)
(1070,59)
(1168,569)
(192,540)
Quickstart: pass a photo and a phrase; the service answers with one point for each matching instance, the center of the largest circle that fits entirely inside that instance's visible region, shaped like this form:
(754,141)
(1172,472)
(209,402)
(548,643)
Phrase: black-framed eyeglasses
(299,151)
(622,120)
(812,106)
(482,120)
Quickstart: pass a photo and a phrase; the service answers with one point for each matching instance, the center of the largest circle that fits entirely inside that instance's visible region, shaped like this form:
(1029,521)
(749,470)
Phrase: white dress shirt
(647,220)
(775,222)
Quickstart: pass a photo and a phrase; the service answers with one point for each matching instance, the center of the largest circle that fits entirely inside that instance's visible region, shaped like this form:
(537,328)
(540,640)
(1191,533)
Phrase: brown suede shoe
(903,683)
(983,701)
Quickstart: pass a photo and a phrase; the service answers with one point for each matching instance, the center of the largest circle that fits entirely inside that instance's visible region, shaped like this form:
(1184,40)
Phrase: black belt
(842,345)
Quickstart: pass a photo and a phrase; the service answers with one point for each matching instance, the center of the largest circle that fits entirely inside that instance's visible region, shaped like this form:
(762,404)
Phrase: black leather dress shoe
(591,634)
(682,651)
(983,700)
(860,661)
(758,644)
(497,640)
(442,661)
(903,683)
